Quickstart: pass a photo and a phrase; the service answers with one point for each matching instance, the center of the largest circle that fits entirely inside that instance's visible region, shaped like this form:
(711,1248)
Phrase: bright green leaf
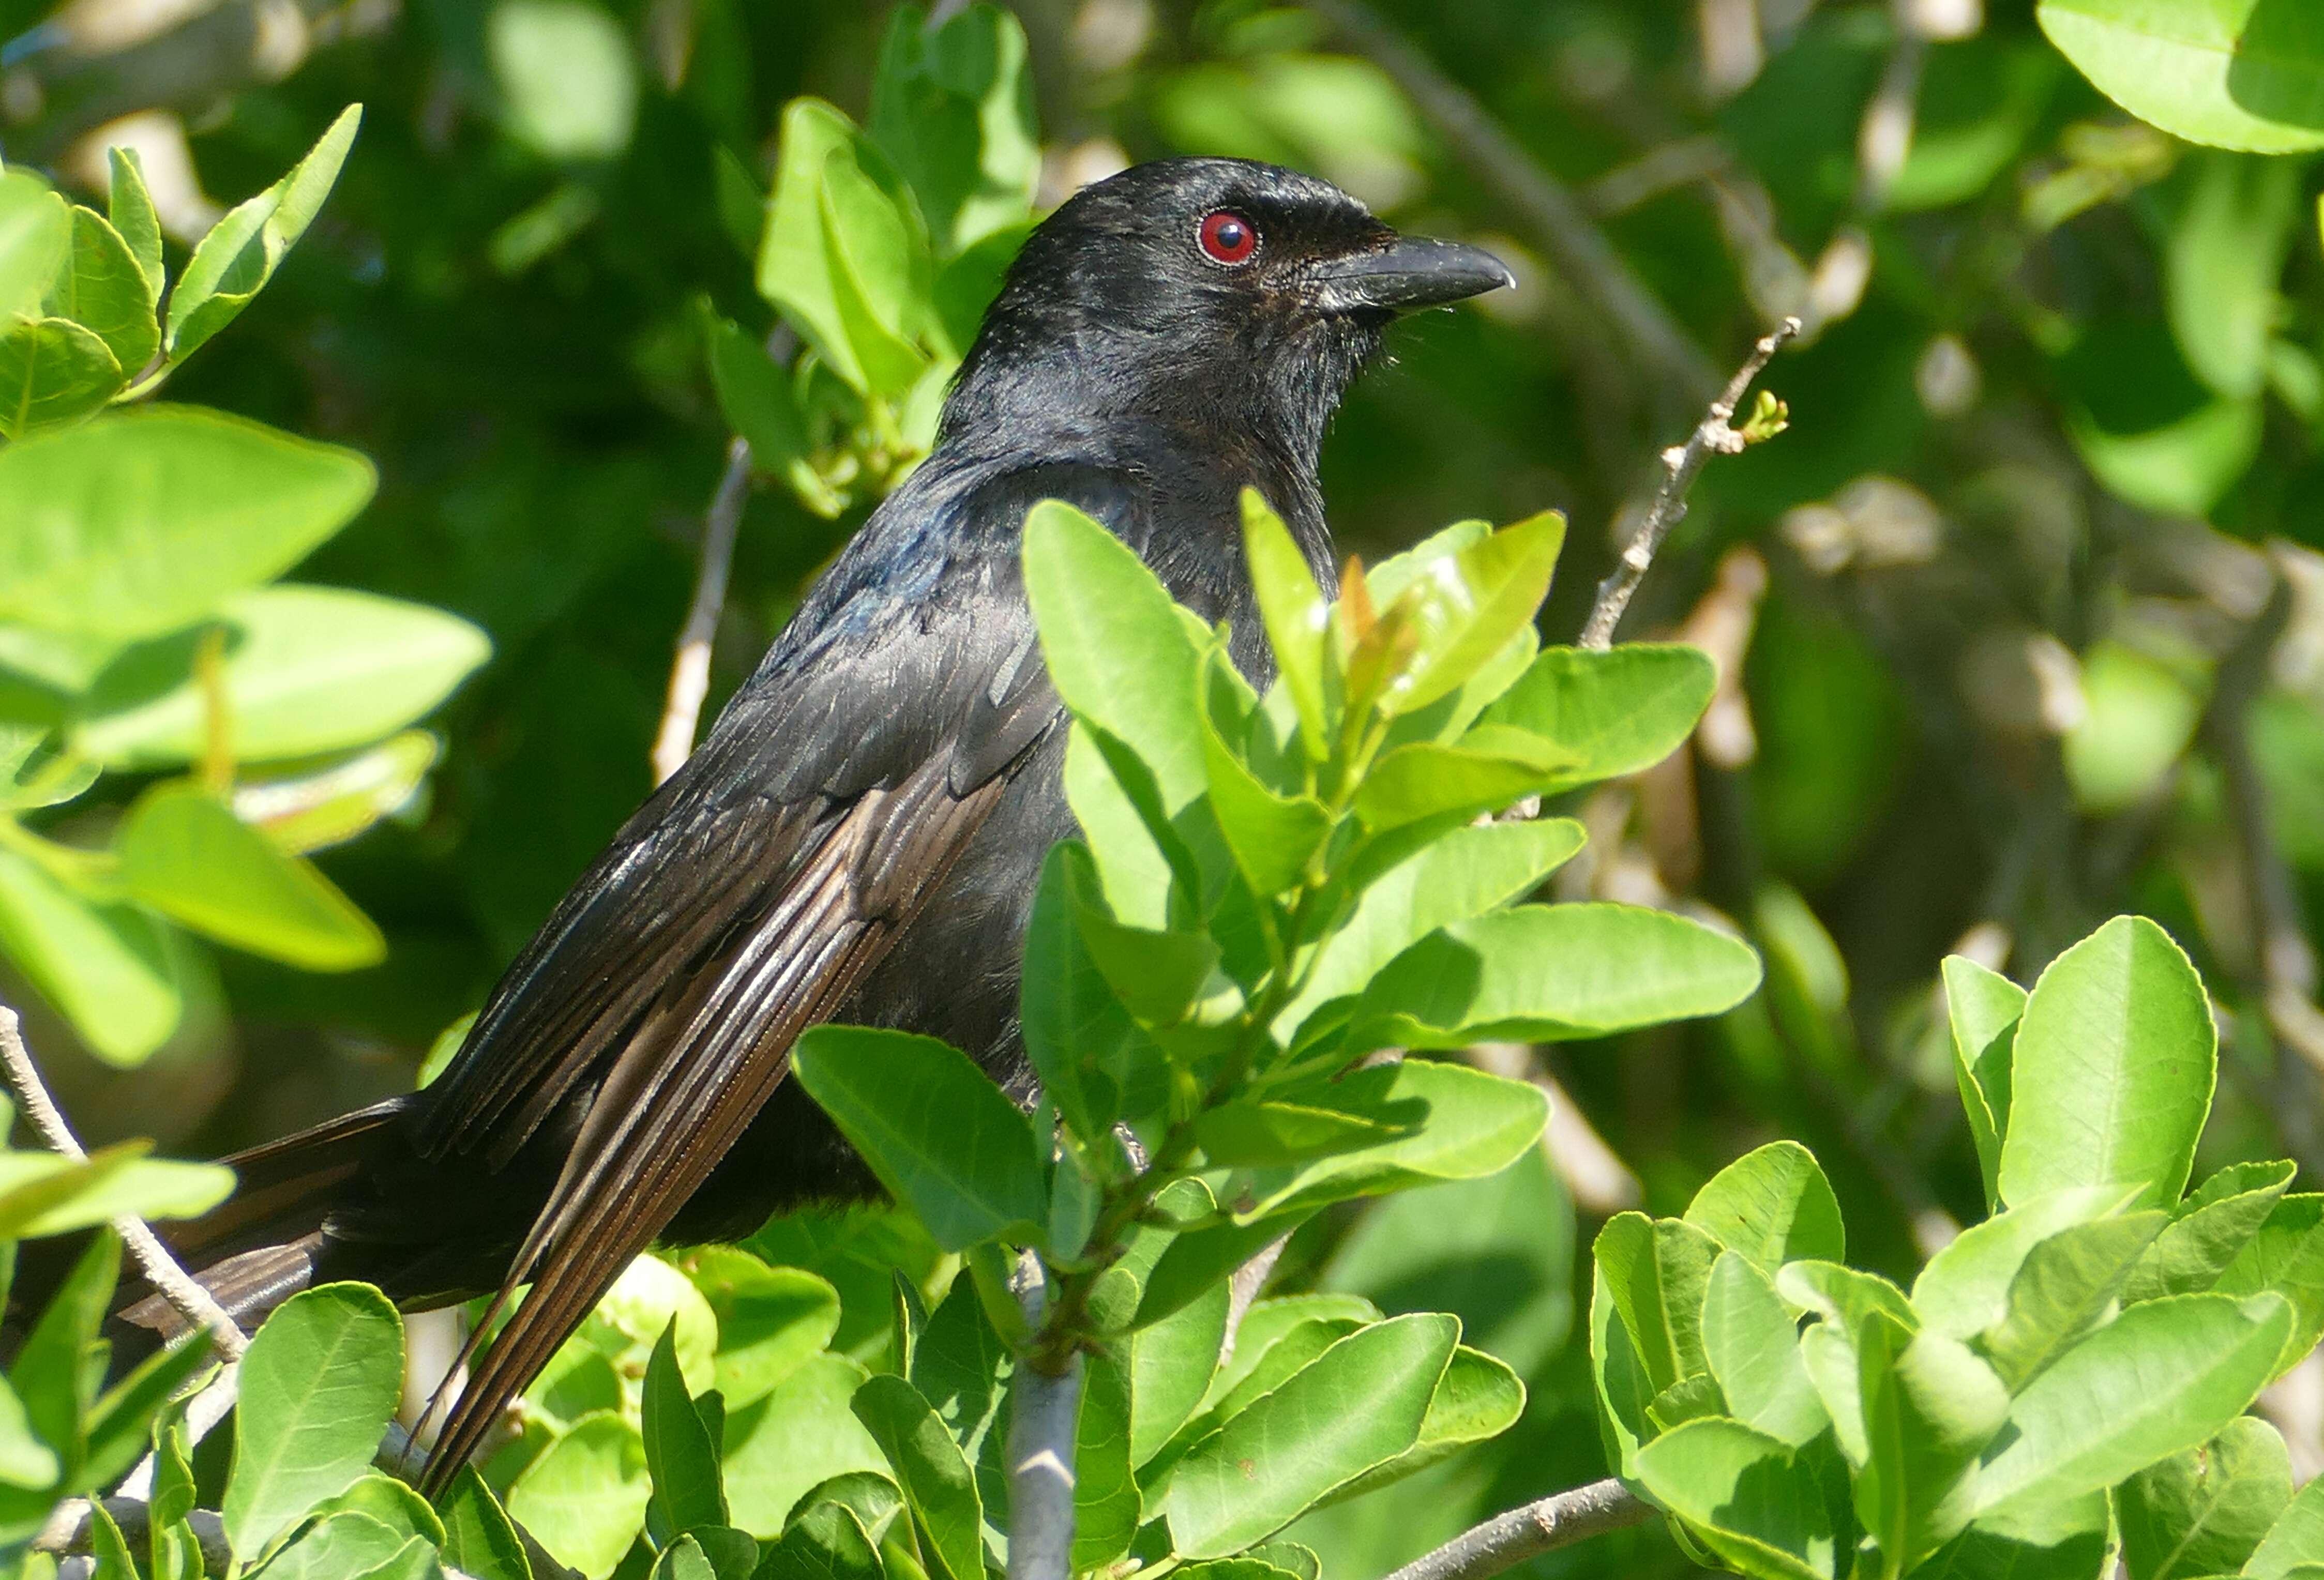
(1983,1008)
(1775,1206)
(940,1136)
(585,1498)
(184,852)
(2244,74)
(51,372)
(2205,1511)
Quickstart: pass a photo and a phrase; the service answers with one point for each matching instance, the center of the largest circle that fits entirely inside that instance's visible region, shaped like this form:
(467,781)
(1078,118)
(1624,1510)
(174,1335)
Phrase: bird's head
(1212,292)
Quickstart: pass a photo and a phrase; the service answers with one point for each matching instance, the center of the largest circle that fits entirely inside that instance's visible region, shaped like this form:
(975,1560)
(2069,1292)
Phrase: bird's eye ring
(1228,237)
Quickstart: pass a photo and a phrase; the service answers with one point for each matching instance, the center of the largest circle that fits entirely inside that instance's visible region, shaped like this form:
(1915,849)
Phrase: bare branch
(1506,1541)
(1044,1408)
(689,671)
(153,1258)
(1681,464)
(1557,221)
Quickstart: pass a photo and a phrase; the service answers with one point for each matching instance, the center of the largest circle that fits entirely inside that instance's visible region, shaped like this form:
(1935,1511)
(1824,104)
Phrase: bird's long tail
(268,1240)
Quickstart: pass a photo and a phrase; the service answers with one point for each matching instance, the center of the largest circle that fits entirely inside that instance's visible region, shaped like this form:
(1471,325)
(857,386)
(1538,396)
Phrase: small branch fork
(1681,464)
(160,1268)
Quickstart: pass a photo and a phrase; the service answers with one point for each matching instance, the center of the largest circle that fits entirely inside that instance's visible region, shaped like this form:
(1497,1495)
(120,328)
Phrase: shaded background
(2023,620)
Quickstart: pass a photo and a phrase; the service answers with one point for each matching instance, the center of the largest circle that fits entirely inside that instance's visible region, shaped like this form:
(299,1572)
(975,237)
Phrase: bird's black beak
(1413,272)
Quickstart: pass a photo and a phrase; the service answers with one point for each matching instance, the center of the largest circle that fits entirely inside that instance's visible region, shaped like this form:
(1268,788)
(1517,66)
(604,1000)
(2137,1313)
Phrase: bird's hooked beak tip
(1411,273)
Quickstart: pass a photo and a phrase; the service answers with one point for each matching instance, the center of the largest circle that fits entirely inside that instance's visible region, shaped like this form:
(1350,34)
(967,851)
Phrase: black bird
(858,837)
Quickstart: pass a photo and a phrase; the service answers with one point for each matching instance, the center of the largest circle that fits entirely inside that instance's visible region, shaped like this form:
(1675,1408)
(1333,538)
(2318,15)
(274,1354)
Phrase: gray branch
(1506,1541)
(153,1258)
(1043,1410)
(1681,464)
(689,671)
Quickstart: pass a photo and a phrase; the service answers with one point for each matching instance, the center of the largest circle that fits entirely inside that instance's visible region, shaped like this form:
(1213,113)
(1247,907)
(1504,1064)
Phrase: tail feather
(267,1241)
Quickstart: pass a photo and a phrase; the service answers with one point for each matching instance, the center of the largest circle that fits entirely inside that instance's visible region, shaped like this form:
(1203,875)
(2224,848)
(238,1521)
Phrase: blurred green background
(2023,620)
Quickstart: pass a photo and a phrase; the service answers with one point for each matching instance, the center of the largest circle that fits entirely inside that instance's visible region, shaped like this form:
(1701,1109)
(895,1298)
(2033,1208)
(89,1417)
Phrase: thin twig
(169,1280)
(1043,1410)
(1559,222)
(1506,1541)
(1681,465)
(689,671)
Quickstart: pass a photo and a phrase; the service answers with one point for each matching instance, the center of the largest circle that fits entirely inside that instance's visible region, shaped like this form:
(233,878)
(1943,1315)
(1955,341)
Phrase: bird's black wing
(746,900)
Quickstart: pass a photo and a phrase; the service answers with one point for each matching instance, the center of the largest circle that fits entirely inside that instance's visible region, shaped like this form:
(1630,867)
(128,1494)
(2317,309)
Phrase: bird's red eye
(1228,237)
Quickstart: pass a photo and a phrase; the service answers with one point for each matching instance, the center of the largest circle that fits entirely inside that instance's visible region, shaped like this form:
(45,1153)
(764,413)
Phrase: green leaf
(1752,1345)
(2112,1068)
(2286,1256)
(1471,1123)
(1461,873)
(2068,1282)
(1656,1271)
(1120,656)
(1618,1377)
(138,523)
(1964,1289)
(1273,838)
(796,1437)
(52,1373)
(130,207)
(307,670)
(682,1559)
(35,239)
(955,106)
(1747,1496)
(2296,1541)
(1106,1498)
(478,1538)
(1078,1035)
(52,370)
(939,1134)
(344,1544)
(319,1381)
(240,253)
(1172,1364)
(104,289)
(681,1460)
(1359,1404)
(1607,713)
(1773,1205)
(771,1320)
(2205,1511)
(1478,1398)
(826,1542)
(1295,615)
(2162,1377)
(2071,1539)
(758,402)
(585,1498)
(1252,1133)
(121,1422)
(42,1193)
(1544,973)
(2209,1230)
(2242,74)
(2224,260)
(108,1549)
(929,1468)
(1486,772)
(1465,607)
(304,811)
(1930,1406)
(1983,1008)
(184,852)
(391,1502)
(25,1461)
(845,254)
(1155,975)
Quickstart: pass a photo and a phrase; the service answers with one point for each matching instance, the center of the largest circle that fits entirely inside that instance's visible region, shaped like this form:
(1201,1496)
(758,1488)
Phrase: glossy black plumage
(858,837)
